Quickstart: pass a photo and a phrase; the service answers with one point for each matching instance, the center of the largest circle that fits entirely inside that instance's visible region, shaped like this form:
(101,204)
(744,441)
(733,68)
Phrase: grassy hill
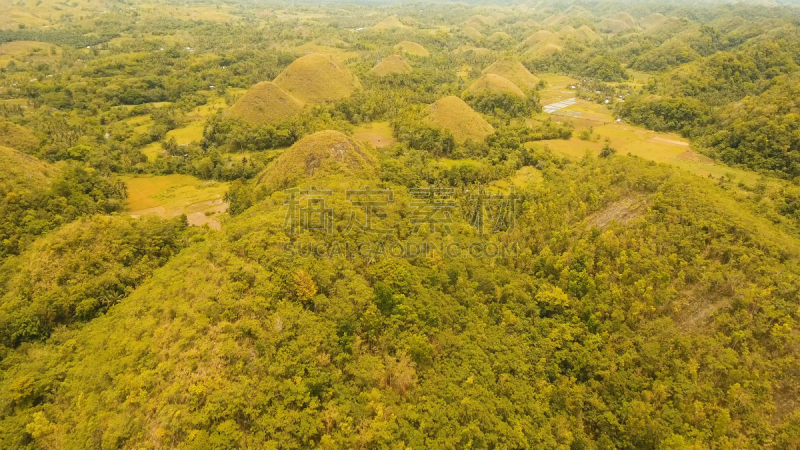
(539,38)
(480,21)
(389,23)
(319,153)
(544,50)
(493,84)
(513,71)
(586,35)
(473,33)
(264,103)
(317,78)
(453,114)
(390,65)
(501,38)
(411,48)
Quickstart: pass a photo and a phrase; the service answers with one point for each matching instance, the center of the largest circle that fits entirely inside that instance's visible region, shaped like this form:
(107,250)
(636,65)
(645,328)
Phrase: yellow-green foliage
(79,271)
(493,84)
(324,152)
(411,48)
(264,103)
(476,51)
(513,71)
(453,114)
(394,64)
(170,195)
(317,78)
(21,171)
(17,136)
(389,23)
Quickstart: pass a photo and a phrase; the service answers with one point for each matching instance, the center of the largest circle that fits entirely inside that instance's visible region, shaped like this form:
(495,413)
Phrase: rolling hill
(411,48)
(317,78)
(493,84)
(513,71)
(390,65)
(265,103)
(453,114)
(324,152)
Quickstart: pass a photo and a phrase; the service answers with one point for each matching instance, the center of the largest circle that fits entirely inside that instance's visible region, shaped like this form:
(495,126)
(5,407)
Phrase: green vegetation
(190,257)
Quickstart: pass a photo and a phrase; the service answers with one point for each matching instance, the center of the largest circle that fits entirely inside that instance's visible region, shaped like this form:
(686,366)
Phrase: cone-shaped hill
(652,20)
(389,23)
(555,20)
(317,78)
(493,84)
(473,33)
(453,114)
(514,72)
(411,48)
(538,38)
(264,103)
(498,37)
(394,64)
(586,35)
(322,153)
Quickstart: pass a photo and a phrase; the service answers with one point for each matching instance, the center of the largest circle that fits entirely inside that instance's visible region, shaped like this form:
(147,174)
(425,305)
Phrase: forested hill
(646,309)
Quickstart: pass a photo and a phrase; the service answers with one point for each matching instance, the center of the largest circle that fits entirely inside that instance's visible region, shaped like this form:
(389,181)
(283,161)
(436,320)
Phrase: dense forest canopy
(211,216)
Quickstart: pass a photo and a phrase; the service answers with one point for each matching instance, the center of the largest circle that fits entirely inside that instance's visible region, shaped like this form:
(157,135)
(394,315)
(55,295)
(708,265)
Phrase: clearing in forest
(172,195)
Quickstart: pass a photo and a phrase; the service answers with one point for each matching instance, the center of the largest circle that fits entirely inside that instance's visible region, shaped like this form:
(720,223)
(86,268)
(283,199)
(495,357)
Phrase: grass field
(193,132)
(29,51)
(665,148)
(140,124)
(152,150)
(172,195)
(379,134)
